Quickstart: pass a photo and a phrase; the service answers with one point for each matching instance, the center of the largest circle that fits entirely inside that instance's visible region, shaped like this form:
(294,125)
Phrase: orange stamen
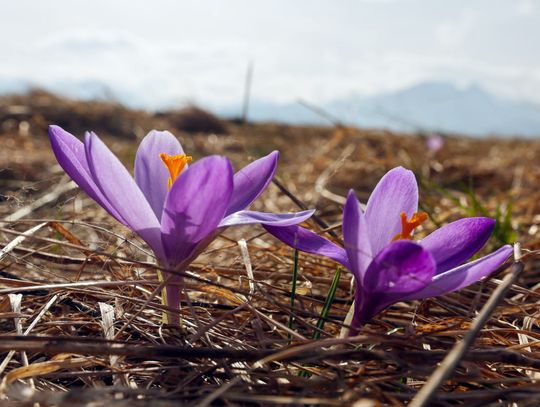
(408,225)
(175,164)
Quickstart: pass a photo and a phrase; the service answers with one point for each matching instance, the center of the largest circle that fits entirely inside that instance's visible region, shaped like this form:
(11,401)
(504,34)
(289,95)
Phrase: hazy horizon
(170,52)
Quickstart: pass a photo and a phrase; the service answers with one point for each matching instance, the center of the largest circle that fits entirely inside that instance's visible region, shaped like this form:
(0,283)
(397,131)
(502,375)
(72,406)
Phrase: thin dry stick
(218,392)
(147,301)
(447,366)
(49,304)
(15,300)
(31,286)
(19,239)
(247,262)
(49,197)
(320,183)
(322,112)
(86,225)
(303,206)
(107,323)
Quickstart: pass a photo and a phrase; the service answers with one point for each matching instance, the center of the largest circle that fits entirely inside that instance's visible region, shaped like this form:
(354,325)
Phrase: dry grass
(76,265)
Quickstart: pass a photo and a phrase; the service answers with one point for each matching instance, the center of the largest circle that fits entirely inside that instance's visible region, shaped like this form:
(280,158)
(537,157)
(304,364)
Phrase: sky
(168,52)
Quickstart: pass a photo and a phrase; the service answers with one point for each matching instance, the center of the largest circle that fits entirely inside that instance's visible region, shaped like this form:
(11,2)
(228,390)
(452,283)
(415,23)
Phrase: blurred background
(461,66)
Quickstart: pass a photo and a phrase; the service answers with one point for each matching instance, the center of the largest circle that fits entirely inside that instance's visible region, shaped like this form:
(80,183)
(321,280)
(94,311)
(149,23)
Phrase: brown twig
(447,366)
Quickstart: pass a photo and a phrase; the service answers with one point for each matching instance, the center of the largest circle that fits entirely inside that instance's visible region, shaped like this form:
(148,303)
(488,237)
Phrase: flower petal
(367,305)
(396,192)
(400,268)
(121,191)
(151,175)
(195,206)
(454,243)
(272,219)
(309,242)
(462,276)
(251,181)
(69,152)
(356,237)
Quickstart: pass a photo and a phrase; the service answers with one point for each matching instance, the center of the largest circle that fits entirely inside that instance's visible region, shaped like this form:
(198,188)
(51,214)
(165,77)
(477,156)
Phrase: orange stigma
(175,164)
(408,225)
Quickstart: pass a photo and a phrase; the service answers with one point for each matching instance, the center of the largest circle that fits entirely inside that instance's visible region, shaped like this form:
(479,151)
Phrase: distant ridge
(443,107)
(427,106)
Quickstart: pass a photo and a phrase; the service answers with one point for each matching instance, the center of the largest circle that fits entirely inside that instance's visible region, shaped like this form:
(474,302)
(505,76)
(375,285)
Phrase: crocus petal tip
(53,128)
(457,241)
(402,172)
(509,249)
(488,224)
(216,158)
(401,169)
(154,133)
(88,136)
(489,221)
(252,180)
(56,132)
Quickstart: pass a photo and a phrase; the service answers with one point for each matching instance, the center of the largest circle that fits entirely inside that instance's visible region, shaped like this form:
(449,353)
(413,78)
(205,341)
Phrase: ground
(240,342)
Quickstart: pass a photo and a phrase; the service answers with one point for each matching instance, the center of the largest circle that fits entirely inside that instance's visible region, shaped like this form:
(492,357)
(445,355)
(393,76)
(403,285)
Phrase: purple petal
(69,152)
(454,243)
(272,219)
(396,192)
(121,191)
(367,305)
(356,237)
(462,276)
(151,175)
(400,268)
(309,242)
(195,206)
(251,181)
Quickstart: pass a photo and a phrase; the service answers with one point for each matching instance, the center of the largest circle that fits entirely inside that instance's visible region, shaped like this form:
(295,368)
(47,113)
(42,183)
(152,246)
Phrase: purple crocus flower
(176,210)
(387,265)
(434,142)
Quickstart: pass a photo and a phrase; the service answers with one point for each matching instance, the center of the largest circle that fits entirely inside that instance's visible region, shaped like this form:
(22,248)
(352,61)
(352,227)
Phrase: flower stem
(171,298)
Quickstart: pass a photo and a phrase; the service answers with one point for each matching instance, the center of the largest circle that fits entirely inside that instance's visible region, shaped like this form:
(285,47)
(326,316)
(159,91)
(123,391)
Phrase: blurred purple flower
(434,142)
(387,265)
(176,210)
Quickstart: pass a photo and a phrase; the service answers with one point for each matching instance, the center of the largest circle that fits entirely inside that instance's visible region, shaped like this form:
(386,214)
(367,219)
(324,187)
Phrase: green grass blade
(324,312)
(327,304)
(293,291)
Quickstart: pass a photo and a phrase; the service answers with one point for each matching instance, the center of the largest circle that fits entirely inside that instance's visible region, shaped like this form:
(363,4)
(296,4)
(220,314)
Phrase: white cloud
(454,33)
(526,7)
(170,52)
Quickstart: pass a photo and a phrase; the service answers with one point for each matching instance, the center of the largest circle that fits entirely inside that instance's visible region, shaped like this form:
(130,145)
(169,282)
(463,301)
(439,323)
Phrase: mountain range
(427,106)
